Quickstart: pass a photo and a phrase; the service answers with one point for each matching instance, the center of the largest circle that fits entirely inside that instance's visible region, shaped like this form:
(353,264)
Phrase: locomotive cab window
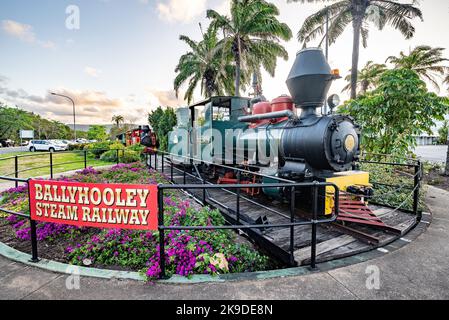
(220,113)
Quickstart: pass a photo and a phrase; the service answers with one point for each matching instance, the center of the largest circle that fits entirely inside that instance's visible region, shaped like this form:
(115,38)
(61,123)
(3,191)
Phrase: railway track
(333,241)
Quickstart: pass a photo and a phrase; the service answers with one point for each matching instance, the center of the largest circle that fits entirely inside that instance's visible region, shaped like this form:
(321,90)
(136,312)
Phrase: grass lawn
(41,159)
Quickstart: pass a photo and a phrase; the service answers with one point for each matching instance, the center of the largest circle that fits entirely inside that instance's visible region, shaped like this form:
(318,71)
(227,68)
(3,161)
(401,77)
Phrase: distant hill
(85,127)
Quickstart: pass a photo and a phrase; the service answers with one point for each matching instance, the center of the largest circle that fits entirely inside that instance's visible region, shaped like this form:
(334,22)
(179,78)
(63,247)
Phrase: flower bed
(187,252)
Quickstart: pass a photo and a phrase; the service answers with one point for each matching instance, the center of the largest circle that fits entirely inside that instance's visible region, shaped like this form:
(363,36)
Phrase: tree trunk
(446,172)
(237,69)
(357,26)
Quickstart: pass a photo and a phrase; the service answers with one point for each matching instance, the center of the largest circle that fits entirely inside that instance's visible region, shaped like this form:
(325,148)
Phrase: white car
(45,145)
(63,143)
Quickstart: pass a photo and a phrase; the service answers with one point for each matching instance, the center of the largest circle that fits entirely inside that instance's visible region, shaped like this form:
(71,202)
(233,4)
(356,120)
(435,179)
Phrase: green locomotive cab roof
(219,108)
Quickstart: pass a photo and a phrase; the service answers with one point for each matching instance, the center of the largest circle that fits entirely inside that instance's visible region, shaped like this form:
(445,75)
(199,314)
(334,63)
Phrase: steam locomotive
(284,138)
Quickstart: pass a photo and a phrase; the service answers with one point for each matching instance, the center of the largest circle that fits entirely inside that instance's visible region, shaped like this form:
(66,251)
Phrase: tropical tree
(162,122)
(443,133)
(367,78)
(400,108)
(425,60)
(118,119)
(97,132)
(252,36)
(206,64)
(359,13)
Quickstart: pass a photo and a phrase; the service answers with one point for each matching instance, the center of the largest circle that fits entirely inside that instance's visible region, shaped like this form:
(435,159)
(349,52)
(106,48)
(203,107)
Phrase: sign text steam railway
(94,205)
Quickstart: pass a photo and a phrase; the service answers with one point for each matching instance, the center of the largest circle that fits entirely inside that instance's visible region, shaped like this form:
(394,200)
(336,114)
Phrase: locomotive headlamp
(333,101)
(349,143)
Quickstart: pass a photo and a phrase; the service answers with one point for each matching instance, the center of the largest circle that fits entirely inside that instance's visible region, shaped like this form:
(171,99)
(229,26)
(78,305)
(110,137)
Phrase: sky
(120,57)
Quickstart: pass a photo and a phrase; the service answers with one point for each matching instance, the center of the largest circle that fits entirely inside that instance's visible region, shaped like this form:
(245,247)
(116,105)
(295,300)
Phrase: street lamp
(73,104)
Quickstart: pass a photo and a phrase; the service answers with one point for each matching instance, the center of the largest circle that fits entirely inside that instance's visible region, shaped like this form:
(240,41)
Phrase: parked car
(5,143)
(61,143)
(45,145)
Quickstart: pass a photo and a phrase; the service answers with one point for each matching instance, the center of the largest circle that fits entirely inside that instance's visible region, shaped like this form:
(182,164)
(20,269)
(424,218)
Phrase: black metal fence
(14,177)
(204,186)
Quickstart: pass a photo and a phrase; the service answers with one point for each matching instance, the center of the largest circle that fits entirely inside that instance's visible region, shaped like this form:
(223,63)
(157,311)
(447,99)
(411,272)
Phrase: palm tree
(206,64)
(424,60)
(251,35)
(118,119)
(359,13)
(367,78)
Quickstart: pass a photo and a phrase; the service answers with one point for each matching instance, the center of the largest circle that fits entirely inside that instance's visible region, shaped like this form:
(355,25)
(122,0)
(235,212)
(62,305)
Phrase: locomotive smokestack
(309,80)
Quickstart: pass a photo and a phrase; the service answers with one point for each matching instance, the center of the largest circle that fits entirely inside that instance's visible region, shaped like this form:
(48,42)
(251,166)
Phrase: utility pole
(73,105)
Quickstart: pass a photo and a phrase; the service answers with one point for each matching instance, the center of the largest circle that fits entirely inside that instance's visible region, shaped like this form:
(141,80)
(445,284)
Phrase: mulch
(435,178)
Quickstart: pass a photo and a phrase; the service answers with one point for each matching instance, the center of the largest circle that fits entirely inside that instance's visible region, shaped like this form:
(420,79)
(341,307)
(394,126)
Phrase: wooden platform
(333,243)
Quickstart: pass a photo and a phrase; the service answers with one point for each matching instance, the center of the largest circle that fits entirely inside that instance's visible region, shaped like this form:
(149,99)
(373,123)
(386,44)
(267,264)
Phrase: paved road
(416,271)
(12,149)
(436,154)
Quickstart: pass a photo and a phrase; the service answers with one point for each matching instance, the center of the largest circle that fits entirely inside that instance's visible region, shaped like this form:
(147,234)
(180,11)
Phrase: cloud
(224,7)
(165,98)
(84,98)
(180,10)
(24,32)
(92,72)
(90,105)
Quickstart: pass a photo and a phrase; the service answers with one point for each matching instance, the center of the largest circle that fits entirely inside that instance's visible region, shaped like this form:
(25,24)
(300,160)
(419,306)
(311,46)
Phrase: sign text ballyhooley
(123,206)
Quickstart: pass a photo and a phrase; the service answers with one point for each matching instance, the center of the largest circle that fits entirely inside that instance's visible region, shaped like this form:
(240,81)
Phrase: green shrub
(78,146)
(125,156)
(109,156)
(136,147)
(97,148)
(129,156)
(116,145)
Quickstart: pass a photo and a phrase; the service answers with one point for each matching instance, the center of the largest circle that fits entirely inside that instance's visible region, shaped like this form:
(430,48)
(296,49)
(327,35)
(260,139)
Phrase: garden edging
(63,268)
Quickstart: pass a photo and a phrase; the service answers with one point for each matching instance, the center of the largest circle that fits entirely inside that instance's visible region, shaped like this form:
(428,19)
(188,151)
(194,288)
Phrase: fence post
(171,170)
(238,198)
(85,159)
(33,234)
(151,163)
(155,161)
(315,218)
(160,200)
(34,257)
(51,165)
(118,156)
(416,185)
(184,172)
(16,172)
(162,163)
(204,191)
(292,228)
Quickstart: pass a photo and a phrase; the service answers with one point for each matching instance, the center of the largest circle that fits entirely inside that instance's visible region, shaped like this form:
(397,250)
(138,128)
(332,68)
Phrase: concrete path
(13,149)
(417,271)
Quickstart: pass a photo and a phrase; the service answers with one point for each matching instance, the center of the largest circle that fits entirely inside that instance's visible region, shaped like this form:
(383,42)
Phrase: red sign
(122,206)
